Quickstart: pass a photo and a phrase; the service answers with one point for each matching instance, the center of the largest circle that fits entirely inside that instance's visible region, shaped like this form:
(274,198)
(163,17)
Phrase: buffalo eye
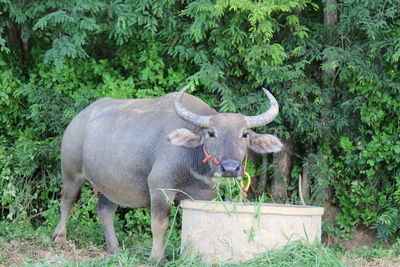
(210,134)
(245,135)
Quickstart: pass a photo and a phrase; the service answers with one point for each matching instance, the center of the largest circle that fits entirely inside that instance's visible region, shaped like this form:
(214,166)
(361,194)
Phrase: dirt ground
(392,262)
(19,253)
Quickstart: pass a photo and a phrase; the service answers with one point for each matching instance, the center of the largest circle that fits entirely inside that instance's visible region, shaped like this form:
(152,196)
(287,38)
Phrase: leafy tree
(59,56)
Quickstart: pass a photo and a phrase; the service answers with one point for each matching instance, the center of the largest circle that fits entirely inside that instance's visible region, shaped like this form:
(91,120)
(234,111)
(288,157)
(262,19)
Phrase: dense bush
(367,173)
(59,56)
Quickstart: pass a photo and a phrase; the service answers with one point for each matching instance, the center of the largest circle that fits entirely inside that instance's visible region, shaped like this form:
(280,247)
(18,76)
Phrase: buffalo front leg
(72,185)
(106,210)
(160,210)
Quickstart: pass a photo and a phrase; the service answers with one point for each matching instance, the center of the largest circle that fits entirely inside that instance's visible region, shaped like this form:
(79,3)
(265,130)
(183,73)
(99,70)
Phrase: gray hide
(130,149)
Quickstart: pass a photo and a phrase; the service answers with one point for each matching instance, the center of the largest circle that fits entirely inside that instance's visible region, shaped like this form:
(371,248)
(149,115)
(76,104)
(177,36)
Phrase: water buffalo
(130,149)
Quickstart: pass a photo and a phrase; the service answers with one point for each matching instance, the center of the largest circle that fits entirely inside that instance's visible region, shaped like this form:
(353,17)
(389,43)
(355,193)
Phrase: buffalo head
(226,136)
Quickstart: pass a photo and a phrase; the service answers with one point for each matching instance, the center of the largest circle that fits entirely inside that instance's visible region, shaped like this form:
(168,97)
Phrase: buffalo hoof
(112,250)
(158,260)
(60,242)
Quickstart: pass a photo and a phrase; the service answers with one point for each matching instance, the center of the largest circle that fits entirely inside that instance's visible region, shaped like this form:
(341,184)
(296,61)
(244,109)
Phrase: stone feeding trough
(227,232)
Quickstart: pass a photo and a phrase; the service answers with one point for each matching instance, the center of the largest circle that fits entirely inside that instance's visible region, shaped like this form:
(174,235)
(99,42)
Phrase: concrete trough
(227,232)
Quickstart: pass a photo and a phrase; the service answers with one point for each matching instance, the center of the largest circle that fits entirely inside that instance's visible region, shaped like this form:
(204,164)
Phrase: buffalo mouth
(228,171)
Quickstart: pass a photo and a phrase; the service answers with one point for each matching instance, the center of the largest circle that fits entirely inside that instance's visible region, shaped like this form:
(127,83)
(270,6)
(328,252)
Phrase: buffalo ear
(184,138)
(265,143)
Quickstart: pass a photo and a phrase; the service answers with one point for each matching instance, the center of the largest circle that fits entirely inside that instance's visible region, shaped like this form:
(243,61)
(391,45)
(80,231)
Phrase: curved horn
(266,117)
(202,121)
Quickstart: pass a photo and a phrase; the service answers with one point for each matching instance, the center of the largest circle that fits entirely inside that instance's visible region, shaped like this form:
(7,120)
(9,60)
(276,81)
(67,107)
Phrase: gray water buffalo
(130,150)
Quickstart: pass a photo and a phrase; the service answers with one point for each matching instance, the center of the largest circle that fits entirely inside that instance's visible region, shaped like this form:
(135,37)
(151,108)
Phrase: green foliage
(59,56)
(368,156)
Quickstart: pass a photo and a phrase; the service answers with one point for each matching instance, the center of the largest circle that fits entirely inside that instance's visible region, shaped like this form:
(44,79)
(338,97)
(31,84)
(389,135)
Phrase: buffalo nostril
(222,168)
(230,167)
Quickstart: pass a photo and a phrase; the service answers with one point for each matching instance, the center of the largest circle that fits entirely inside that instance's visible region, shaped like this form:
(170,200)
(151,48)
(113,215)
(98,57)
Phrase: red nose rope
(214,160)
(209,157)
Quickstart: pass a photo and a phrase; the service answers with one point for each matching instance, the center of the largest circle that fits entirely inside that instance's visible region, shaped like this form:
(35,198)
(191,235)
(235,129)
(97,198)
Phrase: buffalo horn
(181,111)
(266,117)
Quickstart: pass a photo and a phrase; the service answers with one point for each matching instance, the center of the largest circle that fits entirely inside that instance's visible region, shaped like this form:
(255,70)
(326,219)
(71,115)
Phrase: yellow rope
(245,189)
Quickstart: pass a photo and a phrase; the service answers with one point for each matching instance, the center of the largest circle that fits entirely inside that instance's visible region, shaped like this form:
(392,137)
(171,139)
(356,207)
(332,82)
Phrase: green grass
(37,242)
(35,249)
(297,255)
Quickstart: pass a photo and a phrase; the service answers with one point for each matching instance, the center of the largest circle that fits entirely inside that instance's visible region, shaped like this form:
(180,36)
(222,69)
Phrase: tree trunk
(306,179)
(19,38)
(262,183)
(281,178)
(330,20)
(25,42)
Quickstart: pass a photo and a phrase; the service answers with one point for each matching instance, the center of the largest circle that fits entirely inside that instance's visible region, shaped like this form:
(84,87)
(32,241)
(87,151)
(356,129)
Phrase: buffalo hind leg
(106,210)
(160,211)
(69,195)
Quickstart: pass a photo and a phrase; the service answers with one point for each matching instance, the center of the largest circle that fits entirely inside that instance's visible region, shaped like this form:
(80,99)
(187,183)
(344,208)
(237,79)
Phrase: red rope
(209,157)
